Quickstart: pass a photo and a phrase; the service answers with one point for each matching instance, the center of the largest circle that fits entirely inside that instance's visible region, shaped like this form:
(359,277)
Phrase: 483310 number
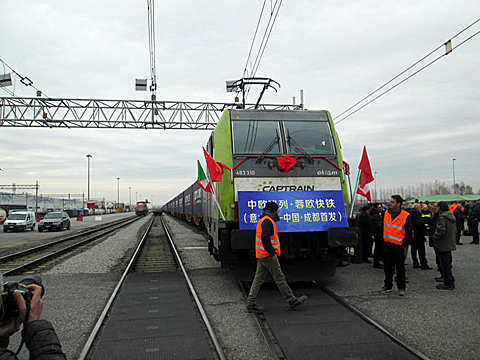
(245,172)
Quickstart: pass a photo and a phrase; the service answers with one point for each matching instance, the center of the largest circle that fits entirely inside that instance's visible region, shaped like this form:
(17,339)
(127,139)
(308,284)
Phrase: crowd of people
(387,235)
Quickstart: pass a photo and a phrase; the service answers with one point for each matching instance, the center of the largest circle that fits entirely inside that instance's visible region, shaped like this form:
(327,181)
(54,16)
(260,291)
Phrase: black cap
(271,206)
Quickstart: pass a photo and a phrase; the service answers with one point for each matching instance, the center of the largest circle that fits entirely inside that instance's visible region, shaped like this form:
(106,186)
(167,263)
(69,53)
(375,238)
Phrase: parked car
(55,220)
(19,220)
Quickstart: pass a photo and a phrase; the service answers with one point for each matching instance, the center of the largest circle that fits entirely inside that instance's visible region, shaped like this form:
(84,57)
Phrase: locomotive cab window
(312,137)
(256,137)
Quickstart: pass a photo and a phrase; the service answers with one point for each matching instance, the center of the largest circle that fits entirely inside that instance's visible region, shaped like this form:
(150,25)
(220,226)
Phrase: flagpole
(355,193)
(216,202)
(350,187)
(212,184)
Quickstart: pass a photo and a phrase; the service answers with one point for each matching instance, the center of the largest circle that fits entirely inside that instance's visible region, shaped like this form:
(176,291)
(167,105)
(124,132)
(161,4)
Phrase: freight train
(292,157)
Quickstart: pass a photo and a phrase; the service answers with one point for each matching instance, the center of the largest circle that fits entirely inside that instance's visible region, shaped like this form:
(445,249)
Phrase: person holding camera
(39,335)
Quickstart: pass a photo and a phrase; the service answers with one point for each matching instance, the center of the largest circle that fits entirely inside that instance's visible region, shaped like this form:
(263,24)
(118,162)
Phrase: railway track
(40,256)
(155,254)
(331,327)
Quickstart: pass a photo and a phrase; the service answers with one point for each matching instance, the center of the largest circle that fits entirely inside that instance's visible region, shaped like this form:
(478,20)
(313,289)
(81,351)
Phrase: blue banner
(298,210)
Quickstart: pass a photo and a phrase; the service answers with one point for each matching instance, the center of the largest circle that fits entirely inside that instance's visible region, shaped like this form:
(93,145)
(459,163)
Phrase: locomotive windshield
(256,137)
(312,137)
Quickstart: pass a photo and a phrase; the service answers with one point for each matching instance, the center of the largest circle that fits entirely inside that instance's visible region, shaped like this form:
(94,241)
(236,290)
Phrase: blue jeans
(446,267)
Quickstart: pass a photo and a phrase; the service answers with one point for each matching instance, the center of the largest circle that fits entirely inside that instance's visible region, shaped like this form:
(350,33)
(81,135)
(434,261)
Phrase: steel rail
(209,327)
(101,319)
(372,322)
(53,243)
(265,329)
(67,249)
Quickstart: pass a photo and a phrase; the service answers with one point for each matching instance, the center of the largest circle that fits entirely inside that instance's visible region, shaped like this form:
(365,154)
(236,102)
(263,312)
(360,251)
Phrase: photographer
(39,335)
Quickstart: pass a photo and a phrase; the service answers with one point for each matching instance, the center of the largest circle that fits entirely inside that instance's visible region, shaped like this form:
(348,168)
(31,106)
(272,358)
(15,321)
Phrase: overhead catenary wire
(25,80)
(253,40)
(259,56)
(410,76)
(403,72)
(263,44)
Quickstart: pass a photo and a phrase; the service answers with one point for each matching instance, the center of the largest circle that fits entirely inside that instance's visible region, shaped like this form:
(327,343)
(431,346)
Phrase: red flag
(366,176)
(214,168)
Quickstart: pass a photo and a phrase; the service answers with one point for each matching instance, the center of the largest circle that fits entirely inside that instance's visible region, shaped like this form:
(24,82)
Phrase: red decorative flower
(286,163)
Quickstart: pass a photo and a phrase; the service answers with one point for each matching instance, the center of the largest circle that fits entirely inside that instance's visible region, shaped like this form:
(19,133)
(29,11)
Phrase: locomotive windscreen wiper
(298,148)
(268,149)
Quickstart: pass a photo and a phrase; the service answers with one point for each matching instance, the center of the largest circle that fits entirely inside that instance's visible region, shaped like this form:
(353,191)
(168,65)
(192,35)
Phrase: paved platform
(323,328)
(153,318)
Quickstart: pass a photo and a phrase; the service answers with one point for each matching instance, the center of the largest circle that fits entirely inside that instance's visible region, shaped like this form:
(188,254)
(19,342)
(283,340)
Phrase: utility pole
(36,197)
(88,178)
(130,197)
(453,165)
(118,193)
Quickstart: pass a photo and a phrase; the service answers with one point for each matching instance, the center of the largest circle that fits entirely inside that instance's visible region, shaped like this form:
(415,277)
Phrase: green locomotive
(292,157)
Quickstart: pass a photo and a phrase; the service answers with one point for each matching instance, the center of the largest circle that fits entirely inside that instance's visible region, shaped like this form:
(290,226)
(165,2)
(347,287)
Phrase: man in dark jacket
(431,230)
(39,335)
(460,223)
(418,241)
(473,219)
(366,233)
(444,244)
(376,225)
(267,251)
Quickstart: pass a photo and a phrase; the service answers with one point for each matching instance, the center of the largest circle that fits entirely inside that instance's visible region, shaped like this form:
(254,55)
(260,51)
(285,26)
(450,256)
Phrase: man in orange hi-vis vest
(267,251)
(397,234)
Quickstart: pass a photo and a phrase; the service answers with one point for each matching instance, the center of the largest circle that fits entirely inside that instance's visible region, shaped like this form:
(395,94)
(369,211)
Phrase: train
(141,208)
(292,157)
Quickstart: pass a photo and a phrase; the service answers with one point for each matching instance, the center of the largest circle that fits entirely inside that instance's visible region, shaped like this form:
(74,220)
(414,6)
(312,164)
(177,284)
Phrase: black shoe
(385,290)
(378,266)
(445,287)
(474,242)
(426,267)
(367,261)
(255,309)
(440,279)
(459,243)
(298,301)
(416,266)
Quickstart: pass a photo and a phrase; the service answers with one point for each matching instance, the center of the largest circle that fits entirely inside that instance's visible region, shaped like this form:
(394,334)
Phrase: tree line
(424,189)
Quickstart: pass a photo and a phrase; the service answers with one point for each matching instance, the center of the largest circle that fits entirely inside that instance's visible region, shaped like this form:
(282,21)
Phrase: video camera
(8,305)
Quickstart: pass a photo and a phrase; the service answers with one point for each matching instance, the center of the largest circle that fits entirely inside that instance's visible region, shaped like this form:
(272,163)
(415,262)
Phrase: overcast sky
(338,52)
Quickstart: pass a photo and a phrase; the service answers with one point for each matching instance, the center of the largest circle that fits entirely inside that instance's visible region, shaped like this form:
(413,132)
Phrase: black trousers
(378,251)
(457,238)
(473,227)
(418,246)
(394,257)
(366,247)
(437,261)
(445,258)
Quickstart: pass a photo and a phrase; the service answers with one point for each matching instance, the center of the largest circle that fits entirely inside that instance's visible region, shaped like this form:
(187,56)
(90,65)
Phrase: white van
(19,220)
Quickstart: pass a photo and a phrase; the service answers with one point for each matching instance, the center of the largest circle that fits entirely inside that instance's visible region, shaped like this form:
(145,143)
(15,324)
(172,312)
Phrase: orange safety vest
(260,251)
(453,207)
(394,232)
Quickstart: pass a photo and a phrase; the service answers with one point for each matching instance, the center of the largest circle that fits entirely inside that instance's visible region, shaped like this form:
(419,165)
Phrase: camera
(8,304)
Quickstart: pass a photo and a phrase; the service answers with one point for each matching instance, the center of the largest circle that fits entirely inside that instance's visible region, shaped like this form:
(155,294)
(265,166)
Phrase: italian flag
(202,179)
